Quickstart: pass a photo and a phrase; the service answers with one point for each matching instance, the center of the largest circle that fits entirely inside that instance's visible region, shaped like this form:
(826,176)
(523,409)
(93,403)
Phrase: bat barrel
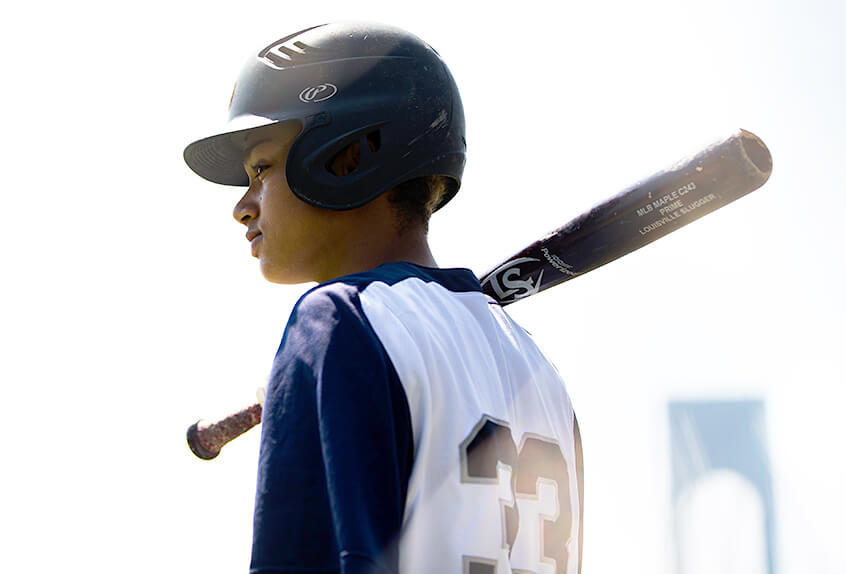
(206,439)
(651,209)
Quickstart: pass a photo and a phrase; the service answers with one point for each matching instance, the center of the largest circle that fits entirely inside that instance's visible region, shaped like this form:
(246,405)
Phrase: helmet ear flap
(337,174)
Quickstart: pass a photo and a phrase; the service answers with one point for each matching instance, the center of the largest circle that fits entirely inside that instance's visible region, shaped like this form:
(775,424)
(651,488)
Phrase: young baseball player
(410,425)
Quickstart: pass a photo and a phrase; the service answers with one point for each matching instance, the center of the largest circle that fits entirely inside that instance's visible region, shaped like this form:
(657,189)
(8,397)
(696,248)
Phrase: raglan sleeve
(336,445)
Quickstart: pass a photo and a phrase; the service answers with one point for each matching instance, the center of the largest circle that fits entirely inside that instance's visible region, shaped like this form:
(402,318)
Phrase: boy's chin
(275,273)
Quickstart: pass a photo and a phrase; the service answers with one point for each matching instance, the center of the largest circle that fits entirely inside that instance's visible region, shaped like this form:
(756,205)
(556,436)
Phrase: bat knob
(196,444)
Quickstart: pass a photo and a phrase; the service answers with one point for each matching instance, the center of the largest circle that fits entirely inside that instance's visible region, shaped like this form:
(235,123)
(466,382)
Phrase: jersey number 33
(532,486)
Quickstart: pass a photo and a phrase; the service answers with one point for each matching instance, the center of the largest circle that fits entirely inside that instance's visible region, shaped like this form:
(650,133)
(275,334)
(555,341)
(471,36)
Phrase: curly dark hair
(415,200)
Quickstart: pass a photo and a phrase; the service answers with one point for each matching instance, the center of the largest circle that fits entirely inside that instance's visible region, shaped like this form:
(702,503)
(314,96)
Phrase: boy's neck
(373,238)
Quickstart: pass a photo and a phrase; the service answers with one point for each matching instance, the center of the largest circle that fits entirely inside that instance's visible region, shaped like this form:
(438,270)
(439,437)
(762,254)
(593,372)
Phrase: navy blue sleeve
(336,445)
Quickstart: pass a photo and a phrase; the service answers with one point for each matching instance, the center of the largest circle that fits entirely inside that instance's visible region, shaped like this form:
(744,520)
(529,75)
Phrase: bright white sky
(131,306)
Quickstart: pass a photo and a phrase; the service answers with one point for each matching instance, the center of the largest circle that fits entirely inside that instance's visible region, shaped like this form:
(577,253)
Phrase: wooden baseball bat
(662,203)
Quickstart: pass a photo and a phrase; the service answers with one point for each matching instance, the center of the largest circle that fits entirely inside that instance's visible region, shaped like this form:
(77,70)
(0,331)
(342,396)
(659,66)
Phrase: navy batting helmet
(344,83)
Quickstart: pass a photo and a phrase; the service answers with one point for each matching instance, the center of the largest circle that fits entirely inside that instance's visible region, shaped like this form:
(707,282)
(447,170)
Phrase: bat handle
(206,439)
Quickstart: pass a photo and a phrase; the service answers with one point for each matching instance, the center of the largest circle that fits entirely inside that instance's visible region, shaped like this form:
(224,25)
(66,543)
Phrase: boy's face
(291,239)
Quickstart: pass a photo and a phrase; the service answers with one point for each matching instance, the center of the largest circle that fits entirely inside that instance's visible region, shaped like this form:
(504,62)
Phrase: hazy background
(131,306)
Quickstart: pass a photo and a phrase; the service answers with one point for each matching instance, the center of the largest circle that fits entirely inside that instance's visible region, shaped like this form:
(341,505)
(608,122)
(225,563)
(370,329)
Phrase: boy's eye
(260,169)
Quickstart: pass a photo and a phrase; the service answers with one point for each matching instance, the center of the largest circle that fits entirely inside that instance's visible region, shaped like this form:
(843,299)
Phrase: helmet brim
(220,158)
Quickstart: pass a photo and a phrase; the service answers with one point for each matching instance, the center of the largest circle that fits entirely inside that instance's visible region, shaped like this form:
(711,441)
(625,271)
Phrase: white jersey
(491,483)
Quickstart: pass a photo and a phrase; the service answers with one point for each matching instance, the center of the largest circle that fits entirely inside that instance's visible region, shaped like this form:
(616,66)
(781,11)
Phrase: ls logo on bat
(506,283)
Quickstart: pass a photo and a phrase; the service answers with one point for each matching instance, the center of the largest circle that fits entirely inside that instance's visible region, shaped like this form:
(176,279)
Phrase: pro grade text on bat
(662,201)
(677,212)
(558,263)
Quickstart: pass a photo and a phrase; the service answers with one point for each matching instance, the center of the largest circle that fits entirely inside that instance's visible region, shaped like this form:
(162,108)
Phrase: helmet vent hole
(374,138)
(348,159)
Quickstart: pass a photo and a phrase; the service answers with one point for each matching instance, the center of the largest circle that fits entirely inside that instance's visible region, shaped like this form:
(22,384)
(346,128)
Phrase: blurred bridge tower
(723,513)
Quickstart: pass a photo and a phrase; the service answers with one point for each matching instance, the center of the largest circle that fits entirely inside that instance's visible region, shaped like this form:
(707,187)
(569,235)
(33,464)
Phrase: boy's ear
(347,160)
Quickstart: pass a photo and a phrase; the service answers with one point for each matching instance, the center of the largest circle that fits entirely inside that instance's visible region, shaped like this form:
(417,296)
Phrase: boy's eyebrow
(249,151)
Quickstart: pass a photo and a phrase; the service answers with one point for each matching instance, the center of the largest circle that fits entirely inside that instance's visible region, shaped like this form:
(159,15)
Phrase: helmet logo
(314,94)
(289,51)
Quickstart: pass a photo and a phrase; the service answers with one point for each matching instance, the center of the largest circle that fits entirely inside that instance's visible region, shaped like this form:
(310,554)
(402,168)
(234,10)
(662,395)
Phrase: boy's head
(351,113)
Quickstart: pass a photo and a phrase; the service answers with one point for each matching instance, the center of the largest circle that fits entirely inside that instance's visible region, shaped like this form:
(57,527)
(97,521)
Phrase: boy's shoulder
(346,307)
(347,303)
(347,289)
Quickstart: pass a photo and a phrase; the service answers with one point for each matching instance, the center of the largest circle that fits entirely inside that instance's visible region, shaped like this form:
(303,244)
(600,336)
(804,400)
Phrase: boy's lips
(253,237)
